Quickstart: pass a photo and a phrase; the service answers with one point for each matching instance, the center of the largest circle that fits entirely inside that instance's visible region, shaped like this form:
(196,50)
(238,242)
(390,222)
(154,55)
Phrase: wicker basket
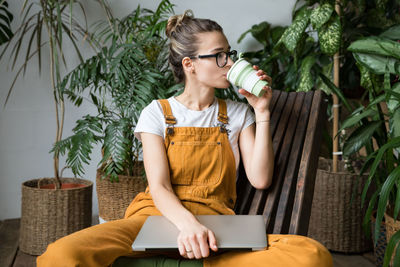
(334,221)
(49,214)
(380,247)
(114,197)
(392,227)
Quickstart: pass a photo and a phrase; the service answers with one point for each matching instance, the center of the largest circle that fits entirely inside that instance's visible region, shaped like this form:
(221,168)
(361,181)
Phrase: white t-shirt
(152,120)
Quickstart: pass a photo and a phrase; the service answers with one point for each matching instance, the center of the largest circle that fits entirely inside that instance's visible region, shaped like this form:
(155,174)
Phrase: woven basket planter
(335,221)
(392,227)
(49,214)
(114,197)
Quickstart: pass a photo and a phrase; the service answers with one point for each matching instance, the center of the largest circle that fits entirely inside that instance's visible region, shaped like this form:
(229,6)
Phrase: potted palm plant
(128,73)
(378,130)
(51,207)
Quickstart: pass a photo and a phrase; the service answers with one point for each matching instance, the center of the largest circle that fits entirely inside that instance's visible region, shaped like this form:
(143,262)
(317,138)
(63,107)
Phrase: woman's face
(207,71)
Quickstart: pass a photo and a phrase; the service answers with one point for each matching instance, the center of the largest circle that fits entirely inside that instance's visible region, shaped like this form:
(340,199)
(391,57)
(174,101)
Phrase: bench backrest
(296,127)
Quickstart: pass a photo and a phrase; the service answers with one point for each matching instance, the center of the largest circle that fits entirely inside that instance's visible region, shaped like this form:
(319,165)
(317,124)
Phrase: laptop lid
(233,232)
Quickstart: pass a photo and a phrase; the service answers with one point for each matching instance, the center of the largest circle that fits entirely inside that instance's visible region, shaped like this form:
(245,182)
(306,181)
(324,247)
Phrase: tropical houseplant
(320,24)
(128,73)
(5,23)
(299,57)
(44,27)
(378,130)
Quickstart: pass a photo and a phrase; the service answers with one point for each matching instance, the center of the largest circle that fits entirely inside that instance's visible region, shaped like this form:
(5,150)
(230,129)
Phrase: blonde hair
(181,31)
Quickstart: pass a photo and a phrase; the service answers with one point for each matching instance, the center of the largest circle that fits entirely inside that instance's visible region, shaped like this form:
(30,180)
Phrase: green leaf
(396,241)
(80,144)
(306,80)
(6,33)
(394,101)
(330,35)
(382,204)
(369,161)
(321,15)
(396,210)
(335,90)
(376,101)
(377,46)
(293,33)
(395,124)
(366,79)
(378,64)
(259,32)
(377,155)
(360,137)
(368,213)
(327,71)
(356,118)
(392,33)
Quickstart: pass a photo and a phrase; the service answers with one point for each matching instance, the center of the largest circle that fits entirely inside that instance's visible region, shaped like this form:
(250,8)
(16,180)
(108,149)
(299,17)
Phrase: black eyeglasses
(221,57)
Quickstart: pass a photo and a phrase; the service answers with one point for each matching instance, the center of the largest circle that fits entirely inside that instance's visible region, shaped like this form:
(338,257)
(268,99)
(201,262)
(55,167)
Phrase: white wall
(27,123)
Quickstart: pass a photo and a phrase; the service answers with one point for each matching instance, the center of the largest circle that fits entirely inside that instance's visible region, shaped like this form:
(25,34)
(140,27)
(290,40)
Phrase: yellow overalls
(203,176)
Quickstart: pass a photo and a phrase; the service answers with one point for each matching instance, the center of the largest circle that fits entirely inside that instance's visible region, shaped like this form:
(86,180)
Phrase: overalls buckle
(170,129)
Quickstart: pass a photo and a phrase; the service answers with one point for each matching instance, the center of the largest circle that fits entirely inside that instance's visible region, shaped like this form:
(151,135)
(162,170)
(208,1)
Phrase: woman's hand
(260,104)
(195,240)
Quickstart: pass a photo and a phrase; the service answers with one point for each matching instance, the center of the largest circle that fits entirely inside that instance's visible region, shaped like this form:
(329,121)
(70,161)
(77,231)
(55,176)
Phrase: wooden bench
(296,127)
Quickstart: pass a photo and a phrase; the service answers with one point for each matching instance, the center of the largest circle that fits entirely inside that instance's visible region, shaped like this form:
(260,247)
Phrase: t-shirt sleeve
(150,120)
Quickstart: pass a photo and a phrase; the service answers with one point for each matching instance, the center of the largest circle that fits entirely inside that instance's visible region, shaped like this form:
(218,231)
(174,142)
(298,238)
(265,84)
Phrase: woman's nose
(230,62)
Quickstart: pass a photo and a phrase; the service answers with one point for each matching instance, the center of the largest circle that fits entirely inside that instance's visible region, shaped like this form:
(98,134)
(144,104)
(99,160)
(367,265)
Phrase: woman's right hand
(195,240)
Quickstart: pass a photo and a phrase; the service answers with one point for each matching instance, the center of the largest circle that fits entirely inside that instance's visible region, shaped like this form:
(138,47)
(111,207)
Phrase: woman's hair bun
(176,21)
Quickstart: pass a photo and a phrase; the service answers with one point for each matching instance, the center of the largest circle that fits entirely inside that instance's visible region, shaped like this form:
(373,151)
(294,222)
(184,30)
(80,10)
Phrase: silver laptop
(233,232)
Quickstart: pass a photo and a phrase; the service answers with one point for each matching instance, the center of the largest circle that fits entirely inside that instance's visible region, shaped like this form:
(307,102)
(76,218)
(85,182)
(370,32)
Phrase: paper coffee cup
(243,75)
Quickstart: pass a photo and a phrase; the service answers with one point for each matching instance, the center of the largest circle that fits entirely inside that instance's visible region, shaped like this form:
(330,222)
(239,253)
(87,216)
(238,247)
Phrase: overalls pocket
(195,162)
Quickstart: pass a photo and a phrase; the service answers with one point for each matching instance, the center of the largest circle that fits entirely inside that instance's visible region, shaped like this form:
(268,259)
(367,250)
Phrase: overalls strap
(222,113)
(169,118)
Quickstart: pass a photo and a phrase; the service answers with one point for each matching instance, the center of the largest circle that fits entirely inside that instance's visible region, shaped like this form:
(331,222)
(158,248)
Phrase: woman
(191,153)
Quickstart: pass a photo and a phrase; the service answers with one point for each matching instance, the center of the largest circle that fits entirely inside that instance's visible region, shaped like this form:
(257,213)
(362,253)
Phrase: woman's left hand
(260,104)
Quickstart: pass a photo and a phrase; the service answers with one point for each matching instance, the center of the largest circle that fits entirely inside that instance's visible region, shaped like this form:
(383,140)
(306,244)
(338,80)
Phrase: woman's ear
(187,65)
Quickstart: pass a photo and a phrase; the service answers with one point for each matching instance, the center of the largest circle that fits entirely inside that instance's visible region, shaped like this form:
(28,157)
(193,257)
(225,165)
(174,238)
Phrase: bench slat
(308,167)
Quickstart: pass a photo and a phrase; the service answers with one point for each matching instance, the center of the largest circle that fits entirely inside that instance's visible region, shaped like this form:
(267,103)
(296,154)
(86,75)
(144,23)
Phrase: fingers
(204,249)
(244,92)
(189,250)
(194,246)
(262,74)
(268,89)
(181,248)
(194,242)
(212,241)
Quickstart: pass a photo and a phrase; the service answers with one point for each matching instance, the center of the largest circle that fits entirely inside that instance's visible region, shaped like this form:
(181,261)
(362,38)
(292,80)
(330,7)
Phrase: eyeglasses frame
(228,54)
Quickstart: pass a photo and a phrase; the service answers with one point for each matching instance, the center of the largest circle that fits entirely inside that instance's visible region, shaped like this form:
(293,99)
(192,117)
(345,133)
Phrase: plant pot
(380,247)
(114,197)
(392,226)
(335,221)
(48,214)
